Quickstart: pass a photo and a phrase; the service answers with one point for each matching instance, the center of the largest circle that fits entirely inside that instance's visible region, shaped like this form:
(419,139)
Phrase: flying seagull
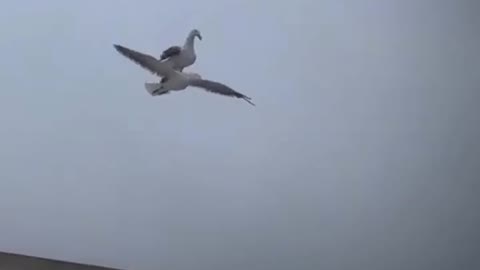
(174,80)
(181,57)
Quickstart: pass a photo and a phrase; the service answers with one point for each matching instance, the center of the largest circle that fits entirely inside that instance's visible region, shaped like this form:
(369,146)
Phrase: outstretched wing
(172,51)
(219,88)
(146,61)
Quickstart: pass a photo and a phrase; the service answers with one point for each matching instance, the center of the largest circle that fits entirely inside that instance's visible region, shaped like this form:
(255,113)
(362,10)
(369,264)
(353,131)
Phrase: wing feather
(219,88)
(146,61)
(172,51)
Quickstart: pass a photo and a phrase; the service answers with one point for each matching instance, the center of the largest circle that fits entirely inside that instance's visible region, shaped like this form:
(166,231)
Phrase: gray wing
(146,61)
(172,51)
(219,88)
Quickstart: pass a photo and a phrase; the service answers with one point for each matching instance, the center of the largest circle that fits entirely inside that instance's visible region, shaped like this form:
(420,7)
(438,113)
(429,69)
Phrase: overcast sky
(362,152)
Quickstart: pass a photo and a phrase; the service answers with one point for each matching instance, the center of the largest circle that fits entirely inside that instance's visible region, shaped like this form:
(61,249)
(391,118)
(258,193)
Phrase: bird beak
(199,36)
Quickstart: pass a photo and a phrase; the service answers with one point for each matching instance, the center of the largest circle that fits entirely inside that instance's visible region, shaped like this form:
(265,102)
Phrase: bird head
(196,33)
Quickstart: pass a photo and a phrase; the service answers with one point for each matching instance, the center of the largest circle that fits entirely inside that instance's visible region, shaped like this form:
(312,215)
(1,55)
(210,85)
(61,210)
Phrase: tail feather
(151,87)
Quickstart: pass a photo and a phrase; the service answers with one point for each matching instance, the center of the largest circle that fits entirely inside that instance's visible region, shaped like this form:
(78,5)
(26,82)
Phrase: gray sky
(362,152)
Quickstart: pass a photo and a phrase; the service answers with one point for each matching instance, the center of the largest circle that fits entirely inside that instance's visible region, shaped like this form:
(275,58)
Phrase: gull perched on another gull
(175,80)
(181,57)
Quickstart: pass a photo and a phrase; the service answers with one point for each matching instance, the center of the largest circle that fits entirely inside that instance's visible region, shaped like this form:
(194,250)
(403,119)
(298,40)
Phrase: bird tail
(150,87)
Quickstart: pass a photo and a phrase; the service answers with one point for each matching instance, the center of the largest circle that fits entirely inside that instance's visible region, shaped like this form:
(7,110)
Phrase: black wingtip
(118,47)
(122,50)
(247,99)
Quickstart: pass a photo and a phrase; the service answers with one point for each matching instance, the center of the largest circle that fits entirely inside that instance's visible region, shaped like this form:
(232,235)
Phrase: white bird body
(175,80)
(186,58)
(180,57)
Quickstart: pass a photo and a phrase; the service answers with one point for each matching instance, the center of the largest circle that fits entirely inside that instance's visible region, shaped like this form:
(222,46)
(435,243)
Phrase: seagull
(175,80)
(181,57)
